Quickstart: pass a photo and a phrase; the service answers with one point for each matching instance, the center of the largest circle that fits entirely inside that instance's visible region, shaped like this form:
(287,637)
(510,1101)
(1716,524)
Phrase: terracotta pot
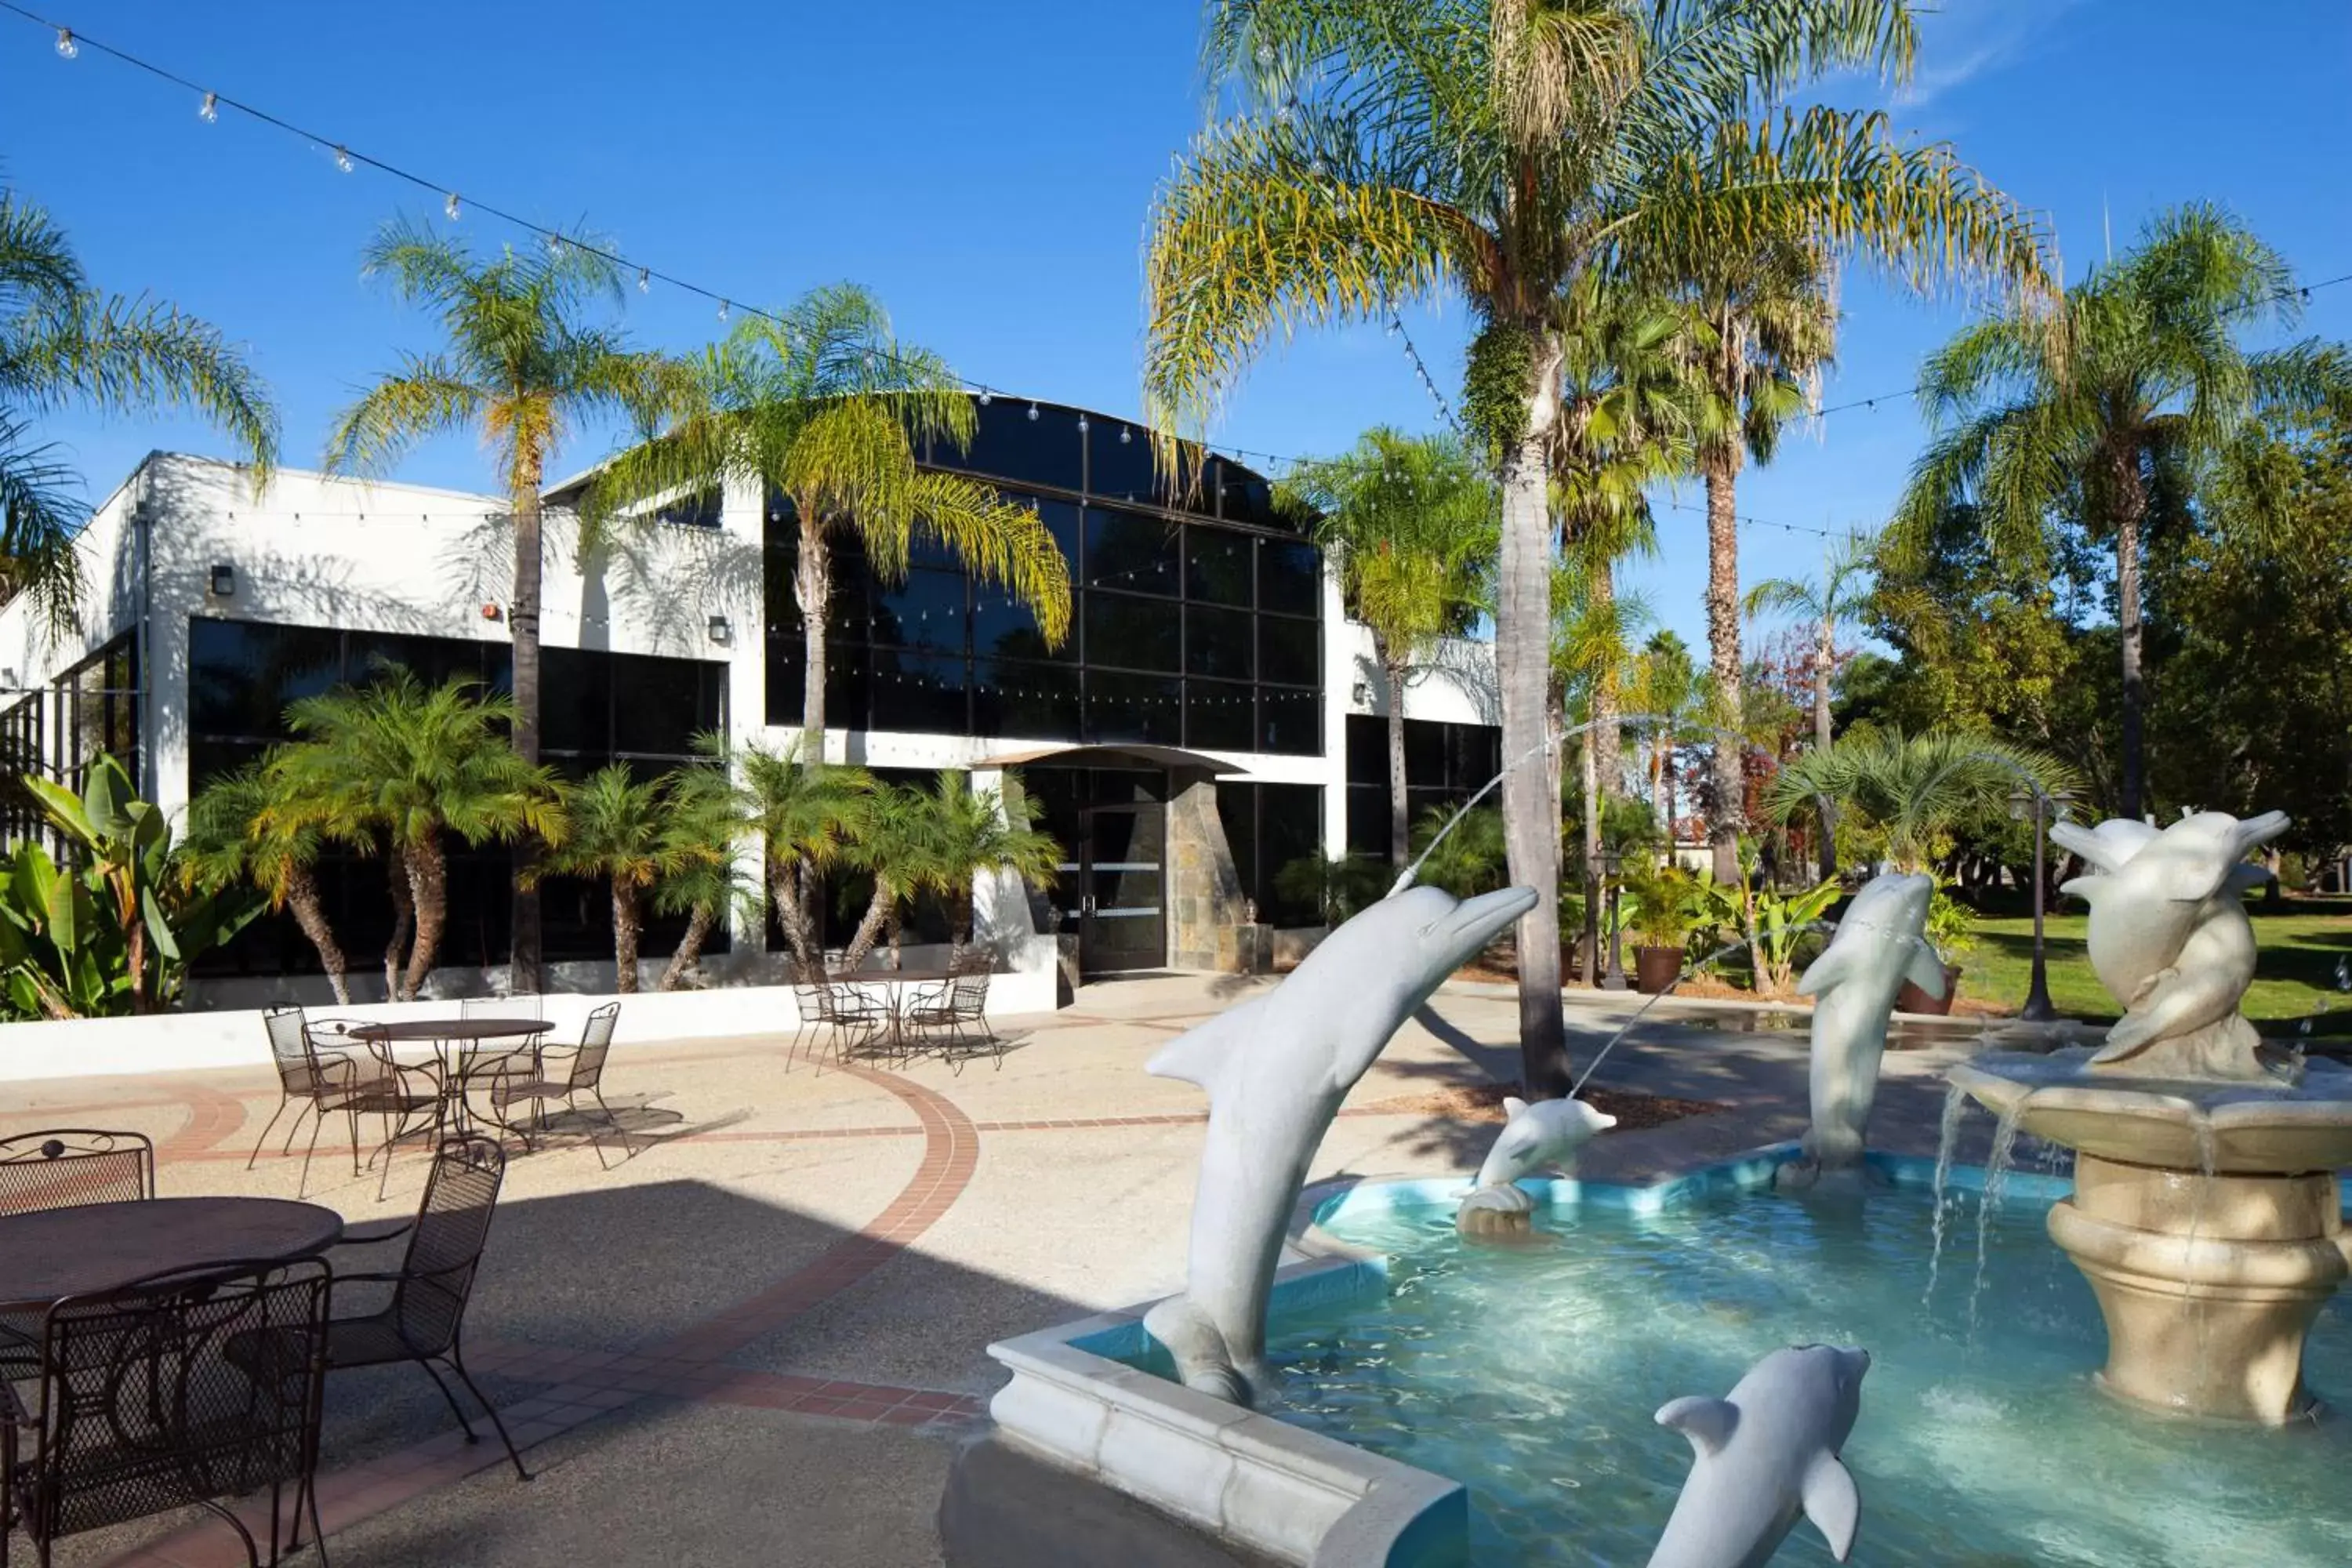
(1655,968)
(1911,999)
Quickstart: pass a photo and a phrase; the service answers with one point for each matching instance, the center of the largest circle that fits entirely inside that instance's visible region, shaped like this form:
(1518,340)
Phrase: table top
(53,1253)
(877,977)
(438,1029)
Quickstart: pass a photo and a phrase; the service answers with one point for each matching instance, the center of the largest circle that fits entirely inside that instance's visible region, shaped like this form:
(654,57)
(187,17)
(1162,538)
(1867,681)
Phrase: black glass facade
(90,710)
(1268,825)
(1444,765)
(1195,617)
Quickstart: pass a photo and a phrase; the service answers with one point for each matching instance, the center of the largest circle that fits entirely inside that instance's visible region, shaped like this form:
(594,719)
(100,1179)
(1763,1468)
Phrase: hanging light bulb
(67,47)
(724,306)
(1082,424)
(209,110)
(986,398)
(1125,435)
(1033,413)
(1395,326)
(342,160)
(454,208)
(644,280)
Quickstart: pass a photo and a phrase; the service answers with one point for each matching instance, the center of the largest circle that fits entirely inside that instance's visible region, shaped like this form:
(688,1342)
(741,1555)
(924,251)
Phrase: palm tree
(2140,392)
(890,842)
(805,816)
(1767,329)
(1669,686)
(1841,591)
(1912,789)
(1592,656)
(704,881)
(63,342)
(1408,522)
(1378,152)
(522,365)
(968,833)
(239,830)
(618,828)
(824,406)
(412,765)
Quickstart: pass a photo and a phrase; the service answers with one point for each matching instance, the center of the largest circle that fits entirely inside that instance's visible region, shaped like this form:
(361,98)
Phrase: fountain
(2205,1213)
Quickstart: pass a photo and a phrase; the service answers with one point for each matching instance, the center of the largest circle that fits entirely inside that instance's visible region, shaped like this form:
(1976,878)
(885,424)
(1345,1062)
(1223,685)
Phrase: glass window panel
(926,611)
(1123,469)
(1289,652)
(1002,629)
(1218,565)
(575,700)
(1219,715)
(659,704)
(1290,722)
(1009,445)
(1134,708)
(1290,827)
(919,694)
(1424,754)
(241,677)
(1368,750)
(1033,701)
(1132,633)
(1218,643)
(787,658)
(1245,497)
(1237,813)
(1132,552)
(1289,578)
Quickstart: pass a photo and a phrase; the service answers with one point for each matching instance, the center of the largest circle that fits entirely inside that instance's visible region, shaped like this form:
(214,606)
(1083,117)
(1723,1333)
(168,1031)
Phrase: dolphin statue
(1542,1136)
(1876,947)
(2168,937)
(1763,1454)
(1275,1068)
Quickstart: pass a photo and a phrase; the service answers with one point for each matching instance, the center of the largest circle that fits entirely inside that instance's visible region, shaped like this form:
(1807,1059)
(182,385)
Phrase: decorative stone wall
(1204,890)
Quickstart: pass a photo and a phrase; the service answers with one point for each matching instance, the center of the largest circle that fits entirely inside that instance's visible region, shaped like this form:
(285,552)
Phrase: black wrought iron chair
(422,1320)
(177,1391)
(856,1014)
(954,1018)
(68,1165)
(562,1075)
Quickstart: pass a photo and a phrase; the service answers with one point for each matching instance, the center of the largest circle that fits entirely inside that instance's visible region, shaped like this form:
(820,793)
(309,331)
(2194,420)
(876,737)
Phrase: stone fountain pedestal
(2207,1220)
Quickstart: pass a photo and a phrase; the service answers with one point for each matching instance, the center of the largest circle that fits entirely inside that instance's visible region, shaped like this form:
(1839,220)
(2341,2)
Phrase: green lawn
(2301,943)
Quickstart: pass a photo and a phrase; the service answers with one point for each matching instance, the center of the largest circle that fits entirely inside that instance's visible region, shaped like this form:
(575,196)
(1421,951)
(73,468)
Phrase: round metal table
(457,1051)
(52,1254)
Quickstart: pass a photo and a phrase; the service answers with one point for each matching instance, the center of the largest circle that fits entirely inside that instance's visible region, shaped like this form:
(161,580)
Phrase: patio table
(896,999)
(50,1254)
(457,1051)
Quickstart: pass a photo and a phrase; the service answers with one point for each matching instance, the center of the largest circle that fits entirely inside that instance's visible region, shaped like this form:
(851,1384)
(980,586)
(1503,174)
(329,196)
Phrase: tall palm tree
(1409,522)
(803,815)
(62,344)
(1668,684)
(416,764)
(969,833)
(1767,326)
(618,828)
(1592,661)
(825,407)
(2142,392)
(1840,592)
(523,364)
(241,829)
(1370,152)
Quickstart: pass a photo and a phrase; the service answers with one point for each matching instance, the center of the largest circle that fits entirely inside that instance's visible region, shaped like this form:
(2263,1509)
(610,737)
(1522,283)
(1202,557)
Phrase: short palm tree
(63,342)
(825,407)
(890,843)
(970,833)
(803,817)
(413,765)
(240,829)
(618,828)
(1376,152)
(521,364)
(1409,522)
(704,881)
(1913,789)
(1837,595)
(2142,392)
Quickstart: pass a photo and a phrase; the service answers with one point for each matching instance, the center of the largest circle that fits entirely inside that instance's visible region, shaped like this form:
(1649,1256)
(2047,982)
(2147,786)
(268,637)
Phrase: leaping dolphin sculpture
(1545,1135)
(1275,1070)
(1764,1454)
(1876,947)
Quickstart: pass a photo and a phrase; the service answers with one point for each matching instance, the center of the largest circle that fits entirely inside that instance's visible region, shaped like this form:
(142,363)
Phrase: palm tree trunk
(1824,657)
(303,898)
(428,884)
(1594,794)
(1400,827)
(2132,506)
(1530,801)
(404,920)
(625,926)
(699,922)
(869,925)
(812,589)
(523,950)
(792,913)
(1608,739)
(1727,776)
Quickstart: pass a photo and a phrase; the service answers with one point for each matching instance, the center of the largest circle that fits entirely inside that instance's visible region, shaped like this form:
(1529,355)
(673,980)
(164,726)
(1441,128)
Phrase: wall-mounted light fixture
(223,581)
(490,610)
(719,629)
(1362,695)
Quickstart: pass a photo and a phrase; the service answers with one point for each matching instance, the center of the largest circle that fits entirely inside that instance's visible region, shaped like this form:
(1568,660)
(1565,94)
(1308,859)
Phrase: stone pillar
(1205,891)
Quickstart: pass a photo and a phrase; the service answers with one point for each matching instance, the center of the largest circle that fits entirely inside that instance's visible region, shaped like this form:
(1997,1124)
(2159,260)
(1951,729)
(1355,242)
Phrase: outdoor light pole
(1611,864)
(2037,1008)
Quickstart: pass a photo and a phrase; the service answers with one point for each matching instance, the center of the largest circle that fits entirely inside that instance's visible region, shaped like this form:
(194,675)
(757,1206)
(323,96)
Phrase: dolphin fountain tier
(1543,1136)
(1275,1070)
(1877,946)
(1764,1454)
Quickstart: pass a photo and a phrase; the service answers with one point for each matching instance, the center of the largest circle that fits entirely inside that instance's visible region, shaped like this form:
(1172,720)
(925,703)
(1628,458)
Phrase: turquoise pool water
(1531,1376)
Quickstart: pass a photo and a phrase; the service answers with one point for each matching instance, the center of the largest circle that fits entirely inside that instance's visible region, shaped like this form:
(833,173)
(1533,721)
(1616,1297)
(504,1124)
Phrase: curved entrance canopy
(1114,756)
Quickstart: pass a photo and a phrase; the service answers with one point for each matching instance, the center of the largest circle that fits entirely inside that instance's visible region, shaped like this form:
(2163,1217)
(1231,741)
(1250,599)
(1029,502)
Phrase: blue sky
(987,169)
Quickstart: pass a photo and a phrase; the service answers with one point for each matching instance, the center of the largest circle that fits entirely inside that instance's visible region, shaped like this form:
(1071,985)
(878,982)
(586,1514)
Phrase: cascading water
(1947,1138)
(1996,1184)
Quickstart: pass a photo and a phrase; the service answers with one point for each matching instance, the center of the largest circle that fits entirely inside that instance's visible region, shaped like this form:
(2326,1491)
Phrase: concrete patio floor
(753,1333)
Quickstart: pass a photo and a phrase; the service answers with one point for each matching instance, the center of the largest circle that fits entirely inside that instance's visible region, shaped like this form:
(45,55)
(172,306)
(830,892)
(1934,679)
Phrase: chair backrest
(177,1389)
(595,1044)
(809,996)
(489,1008)
(289,1044)
(971,961)
(68,1165)
(446,1248)
(968,994)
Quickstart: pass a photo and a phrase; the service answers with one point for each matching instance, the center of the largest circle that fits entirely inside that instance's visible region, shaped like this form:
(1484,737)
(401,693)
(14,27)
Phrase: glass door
(1122,909)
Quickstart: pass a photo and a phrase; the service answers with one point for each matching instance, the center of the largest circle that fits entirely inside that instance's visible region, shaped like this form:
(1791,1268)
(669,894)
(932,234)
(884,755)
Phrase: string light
(67,49)
(644,280)
(985,398)
(1033,414)
(209,110)
(1082,424)
(724,306)
(1125,435)
(454,208)
(342,159)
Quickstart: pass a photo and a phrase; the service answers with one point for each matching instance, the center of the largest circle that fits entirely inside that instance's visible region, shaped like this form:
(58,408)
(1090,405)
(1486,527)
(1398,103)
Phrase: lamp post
(1612,863)
(2029,803)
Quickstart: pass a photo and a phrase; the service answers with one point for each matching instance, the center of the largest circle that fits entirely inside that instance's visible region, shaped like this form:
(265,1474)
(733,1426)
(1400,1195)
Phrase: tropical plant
(1409,522)
(1841,592)
(239,831)
(1335,886)
(2113,416)
(803,817)
(410,765)
(1663,903)
(114,929)
(704,881)
(1669,687)
(1591,656)
(1951,926)
(63,342)
(616,827)
(1911,791)
(1774,924)
(968,833)
(1371,153)
(1467,861)
(890,843)
(823,407)
(523,364)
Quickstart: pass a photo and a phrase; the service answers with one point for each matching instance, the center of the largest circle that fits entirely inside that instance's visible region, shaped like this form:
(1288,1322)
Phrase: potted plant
(1951,932)
(1663,910)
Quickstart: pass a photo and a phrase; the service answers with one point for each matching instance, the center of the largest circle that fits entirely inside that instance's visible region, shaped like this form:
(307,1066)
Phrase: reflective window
(1289,652)
(1134,708)
(660,704)
(1217,643)
(241,677)
(1009,445)
(1119,465)
(1132,552)
(1245,497)
(1220,716)
(1037,700)
(1289,578)
(575,701)
(924,611)
(1218,565)
(912,692)
(1132,633)
(1290,722)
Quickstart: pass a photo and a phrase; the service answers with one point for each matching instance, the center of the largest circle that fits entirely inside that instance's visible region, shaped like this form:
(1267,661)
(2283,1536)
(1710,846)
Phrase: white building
(1192,736)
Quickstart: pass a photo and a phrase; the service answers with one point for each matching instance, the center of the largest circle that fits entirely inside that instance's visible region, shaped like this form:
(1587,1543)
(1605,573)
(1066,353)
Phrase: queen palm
(616,827)
(823,406)
(2141,393)
(240,830)
(64,343)
(1838,594)
(1377,152)
(1408,522)
(523,364)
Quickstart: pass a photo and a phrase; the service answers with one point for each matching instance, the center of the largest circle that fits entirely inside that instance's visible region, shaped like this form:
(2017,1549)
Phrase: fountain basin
(2233,1129)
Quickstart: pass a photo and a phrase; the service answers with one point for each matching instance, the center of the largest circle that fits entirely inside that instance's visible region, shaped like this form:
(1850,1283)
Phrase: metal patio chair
(855,1016)
(426,1312)
(68,1165)
(560,1074)
(178,1391)
(954,1019)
